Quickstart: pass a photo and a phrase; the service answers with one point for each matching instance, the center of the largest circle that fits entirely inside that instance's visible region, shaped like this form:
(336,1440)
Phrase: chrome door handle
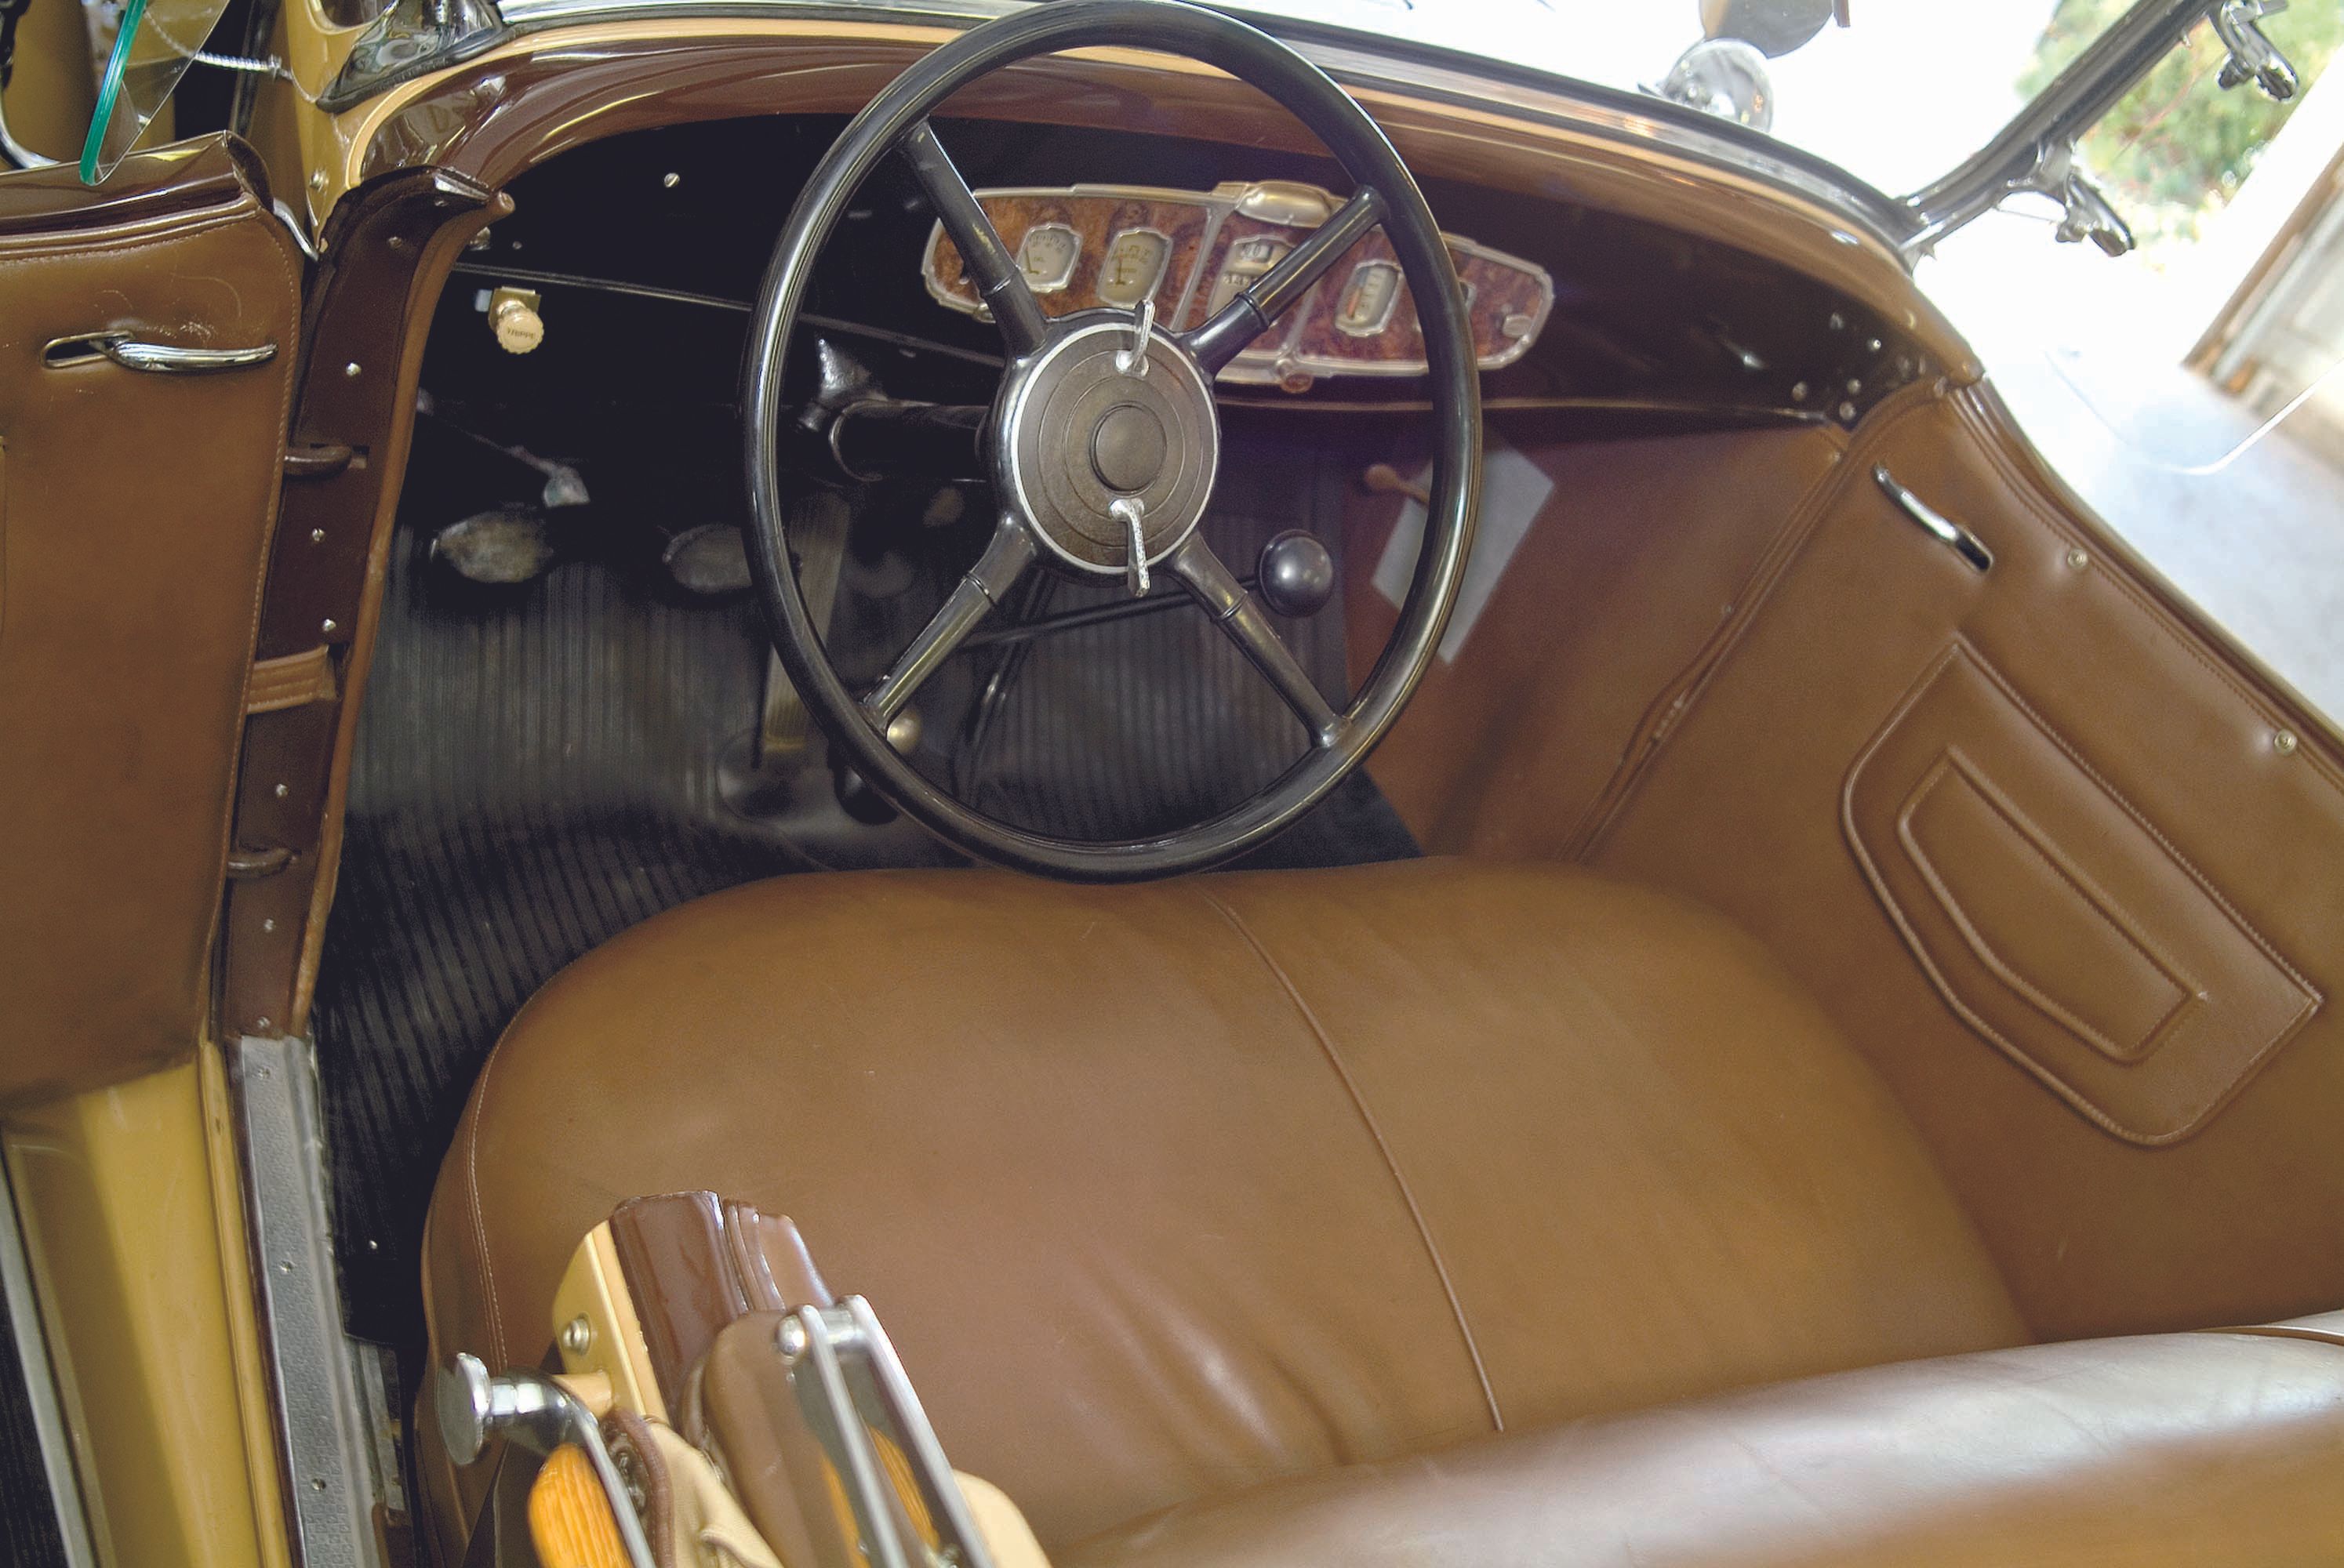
(163,358)
(1951,534)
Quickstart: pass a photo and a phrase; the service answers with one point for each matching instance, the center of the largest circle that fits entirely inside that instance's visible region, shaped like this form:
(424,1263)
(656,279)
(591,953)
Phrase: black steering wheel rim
(898,116)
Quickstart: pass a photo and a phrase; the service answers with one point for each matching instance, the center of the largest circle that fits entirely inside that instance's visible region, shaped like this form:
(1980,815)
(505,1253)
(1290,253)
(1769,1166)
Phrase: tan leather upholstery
(134,514)
(2175,1448)
(2130,1170)
(1168,1190)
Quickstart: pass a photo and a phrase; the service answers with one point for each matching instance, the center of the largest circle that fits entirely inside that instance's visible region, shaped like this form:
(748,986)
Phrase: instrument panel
(1086,247)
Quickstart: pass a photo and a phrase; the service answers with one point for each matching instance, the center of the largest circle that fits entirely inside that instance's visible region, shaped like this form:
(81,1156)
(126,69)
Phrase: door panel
(134,510)
(2061,861)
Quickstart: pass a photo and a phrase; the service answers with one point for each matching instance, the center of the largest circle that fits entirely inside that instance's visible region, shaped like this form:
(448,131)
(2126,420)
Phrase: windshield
(1898,95)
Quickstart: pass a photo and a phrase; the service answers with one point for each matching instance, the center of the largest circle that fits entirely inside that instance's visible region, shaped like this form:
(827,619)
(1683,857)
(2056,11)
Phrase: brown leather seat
(1170,1191)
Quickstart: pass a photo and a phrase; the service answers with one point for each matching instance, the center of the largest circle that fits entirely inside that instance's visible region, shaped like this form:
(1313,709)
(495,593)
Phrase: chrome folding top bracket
(850,1385)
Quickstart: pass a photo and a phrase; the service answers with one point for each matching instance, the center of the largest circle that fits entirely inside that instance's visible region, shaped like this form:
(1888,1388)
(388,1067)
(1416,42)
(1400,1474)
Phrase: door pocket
(2054,918)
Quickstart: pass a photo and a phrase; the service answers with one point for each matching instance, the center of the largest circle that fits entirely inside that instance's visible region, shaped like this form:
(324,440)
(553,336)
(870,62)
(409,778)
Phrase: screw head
(316,536)
(670,180)
(329,626)
(2283,743)
(317,179)
(790,1338)
(2077,559)
(351,370)
(576,1336)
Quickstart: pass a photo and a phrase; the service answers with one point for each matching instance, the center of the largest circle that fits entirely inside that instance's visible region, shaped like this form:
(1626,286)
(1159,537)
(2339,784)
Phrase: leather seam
(1686,690)
(1383,1148)
(471,1136)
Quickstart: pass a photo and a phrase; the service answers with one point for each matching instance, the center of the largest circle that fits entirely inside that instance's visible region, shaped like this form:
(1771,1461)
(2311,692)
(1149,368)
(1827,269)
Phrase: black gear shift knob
(1296,575)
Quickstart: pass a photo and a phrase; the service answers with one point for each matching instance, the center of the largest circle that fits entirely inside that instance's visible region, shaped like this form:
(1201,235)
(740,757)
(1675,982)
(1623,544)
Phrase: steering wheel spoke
(977,595)
(1256,308)
(1241,617)
(999,282)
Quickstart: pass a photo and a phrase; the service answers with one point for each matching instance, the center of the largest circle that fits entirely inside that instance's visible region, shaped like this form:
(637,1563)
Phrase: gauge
(1369,299)
(1047,257)
(1133,266)
(1245,261)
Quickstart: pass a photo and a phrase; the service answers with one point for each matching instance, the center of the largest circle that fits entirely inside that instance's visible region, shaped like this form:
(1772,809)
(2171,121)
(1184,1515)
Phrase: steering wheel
(1102,441)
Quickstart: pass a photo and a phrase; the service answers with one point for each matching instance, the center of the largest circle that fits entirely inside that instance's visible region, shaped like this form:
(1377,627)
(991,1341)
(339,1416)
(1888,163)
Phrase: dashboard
(1088,247)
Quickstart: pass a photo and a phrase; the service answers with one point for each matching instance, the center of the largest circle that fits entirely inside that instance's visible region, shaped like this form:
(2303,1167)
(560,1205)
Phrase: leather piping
(2280,1331)
(1962,647)
(1383,1148)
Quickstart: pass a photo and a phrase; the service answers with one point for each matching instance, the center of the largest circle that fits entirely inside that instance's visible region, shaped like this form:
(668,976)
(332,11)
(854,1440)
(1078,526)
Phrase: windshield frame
(1353,57)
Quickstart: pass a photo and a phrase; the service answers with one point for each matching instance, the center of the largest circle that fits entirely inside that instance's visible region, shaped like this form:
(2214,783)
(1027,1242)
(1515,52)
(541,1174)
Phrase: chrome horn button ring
(1080,434)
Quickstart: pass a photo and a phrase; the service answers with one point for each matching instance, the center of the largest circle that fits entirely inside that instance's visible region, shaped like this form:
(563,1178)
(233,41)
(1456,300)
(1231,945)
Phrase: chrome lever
(1947,532)
(532,1410)
(1132,361)
(162,358)
(1134,515)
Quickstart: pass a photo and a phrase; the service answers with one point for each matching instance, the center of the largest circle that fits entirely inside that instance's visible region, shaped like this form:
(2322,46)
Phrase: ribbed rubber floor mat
(28,1521)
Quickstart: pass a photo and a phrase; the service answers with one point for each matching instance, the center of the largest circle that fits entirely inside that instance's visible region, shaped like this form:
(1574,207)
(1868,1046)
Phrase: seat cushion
(1164,1192)
(2117,1453)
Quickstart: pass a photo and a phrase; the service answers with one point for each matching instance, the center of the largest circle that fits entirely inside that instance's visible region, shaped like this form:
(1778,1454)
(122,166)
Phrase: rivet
(317,180)
(1872,344)
(1854,386)
(328,626)
(1798,391)
(283,791)
(316,536)
(671,180)
(398,243)
(2283,743)
(268,924)
(576,1336)
(261,1023)
(2079,559)
(1847,412)
(351,370)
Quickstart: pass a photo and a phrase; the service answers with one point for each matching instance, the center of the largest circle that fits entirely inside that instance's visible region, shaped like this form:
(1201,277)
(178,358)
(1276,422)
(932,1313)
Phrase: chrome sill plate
(320,1420)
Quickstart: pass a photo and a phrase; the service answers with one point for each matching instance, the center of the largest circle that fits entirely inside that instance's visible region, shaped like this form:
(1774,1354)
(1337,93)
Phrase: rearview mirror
(1774,28)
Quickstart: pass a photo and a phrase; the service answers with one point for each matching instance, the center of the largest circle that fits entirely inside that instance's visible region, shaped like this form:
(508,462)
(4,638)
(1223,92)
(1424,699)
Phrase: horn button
(1083,435)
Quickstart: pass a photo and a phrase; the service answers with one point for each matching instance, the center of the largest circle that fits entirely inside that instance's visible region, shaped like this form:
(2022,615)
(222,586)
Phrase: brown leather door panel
(2063,862)
(135,512)
(2055,919)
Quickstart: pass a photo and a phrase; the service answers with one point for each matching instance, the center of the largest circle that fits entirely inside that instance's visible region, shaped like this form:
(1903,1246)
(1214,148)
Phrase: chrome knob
(473,1406)
(1296,575)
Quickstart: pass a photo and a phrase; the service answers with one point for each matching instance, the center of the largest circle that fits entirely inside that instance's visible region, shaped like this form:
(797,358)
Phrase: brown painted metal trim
(387,251)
